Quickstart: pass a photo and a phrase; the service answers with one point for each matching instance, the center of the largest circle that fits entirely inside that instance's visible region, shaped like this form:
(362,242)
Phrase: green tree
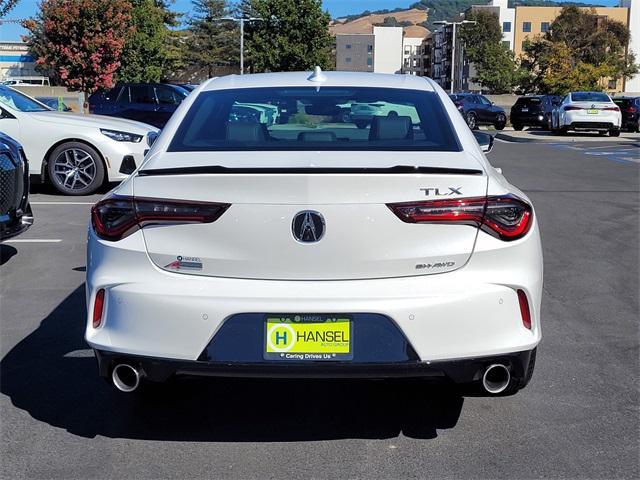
(79,42)
(212,41)
(577,53)
(293,35)
(145,50)
(496,69)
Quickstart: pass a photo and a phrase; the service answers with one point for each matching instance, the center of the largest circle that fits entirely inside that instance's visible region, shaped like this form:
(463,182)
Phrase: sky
(337,8)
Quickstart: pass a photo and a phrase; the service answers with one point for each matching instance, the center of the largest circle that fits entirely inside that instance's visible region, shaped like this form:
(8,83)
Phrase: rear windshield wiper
(398,169)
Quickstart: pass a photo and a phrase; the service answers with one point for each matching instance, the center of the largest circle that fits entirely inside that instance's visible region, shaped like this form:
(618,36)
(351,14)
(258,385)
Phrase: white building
(379,52)
(15,60)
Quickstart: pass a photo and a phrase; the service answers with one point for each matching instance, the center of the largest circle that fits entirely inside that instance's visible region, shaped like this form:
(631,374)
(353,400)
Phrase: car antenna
(317,75)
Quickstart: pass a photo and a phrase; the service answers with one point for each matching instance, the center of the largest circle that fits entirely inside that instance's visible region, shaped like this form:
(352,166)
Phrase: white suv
(584,111)
(311,247)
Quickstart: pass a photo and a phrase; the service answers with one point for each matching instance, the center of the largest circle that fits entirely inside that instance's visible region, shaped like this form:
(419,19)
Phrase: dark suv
(630,109)
(15,211)
(479,110)
(151,103)
(533,111)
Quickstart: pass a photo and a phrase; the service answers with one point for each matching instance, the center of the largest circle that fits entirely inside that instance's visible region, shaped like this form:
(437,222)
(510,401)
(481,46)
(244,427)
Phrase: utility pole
(453,45)
(241,20)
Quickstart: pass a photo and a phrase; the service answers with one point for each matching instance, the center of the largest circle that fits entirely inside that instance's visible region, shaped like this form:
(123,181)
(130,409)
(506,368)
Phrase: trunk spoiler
(398,169)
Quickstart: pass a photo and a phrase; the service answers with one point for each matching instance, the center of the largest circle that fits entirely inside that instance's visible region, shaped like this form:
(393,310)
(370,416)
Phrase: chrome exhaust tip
(496,378)
(125,378)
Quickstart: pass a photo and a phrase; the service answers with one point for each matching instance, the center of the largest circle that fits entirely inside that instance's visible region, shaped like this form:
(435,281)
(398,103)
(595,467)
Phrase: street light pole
(241,21)
(453,45)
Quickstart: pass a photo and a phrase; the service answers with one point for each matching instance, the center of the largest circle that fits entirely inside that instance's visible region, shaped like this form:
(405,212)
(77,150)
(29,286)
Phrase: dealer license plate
(592,111)
(304,337)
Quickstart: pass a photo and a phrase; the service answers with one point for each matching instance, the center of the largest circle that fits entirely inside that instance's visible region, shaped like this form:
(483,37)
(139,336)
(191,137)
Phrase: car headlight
(121,136)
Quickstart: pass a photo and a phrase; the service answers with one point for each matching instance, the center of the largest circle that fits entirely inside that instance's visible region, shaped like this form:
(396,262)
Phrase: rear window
(589,97)
(310,118)
(529,101)
(623,102)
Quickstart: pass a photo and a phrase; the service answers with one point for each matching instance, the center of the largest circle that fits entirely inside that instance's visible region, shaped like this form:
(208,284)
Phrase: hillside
(411,19)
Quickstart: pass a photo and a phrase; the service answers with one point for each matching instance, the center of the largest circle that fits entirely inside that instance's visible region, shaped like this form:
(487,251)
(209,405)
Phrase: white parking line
(62,203)
(34,240)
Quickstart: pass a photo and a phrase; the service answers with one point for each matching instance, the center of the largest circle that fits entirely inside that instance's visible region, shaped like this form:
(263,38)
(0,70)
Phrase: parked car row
(577,111)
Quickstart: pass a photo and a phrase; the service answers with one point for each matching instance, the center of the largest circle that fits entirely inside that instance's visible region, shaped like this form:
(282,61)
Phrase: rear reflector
(98,307)
(524,309)
(506,217)
(117,217)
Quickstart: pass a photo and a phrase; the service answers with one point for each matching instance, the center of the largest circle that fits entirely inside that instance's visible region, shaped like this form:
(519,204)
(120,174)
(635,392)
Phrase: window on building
(348,46)
(544,27)
(526,26)
(369,62)
(506,26)
(369,48)
(347,60)
(407,50)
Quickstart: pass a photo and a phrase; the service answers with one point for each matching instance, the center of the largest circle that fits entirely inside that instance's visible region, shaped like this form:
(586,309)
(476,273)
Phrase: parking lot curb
(509,138)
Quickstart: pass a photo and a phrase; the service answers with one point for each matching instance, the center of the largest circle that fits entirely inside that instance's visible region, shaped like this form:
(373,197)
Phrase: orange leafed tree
(79,42)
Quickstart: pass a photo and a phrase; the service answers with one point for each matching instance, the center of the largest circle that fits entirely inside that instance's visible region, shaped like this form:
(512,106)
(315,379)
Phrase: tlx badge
(437,193)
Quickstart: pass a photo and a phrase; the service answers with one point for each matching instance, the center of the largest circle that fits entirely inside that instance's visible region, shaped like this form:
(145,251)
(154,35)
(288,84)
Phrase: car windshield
(17,101)
(589,97)
(310,118)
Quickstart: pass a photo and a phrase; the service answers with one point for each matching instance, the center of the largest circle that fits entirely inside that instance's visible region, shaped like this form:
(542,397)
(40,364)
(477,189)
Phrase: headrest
(390,128)
(317,137)
(245,132)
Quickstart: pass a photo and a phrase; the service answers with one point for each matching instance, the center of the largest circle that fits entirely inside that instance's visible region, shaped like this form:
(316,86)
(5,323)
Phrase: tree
(212,41)
(293,35)
(496,69)
(6,6)
(79,42)
(577,53)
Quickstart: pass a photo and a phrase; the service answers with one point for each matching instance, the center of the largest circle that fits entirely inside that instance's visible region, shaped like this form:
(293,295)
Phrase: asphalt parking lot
(579,417)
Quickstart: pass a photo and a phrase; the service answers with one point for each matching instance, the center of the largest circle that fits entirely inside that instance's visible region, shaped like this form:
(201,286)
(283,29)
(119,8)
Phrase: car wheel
(471,120)
(602,133)
(361,124)
(75,169)
(614,132)
(501,121)
(517,127)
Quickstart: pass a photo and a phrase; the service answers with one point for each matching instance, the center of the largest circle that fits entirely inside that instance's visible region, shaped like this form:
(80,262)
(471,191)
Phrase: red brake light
(612,109)
(98,306)
(505,217)
(524,309)
(117,217)
(631,110)
(569,107)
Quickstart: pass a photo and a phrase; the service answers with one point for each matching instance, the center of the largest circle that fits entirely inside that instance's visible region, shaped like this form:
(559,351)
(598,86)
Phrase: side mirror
(484,140)
(152,137)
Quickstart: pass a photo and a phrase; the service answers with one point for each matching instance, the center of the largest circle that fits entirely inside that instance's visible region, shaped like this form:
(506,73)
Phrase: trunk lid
(361,237)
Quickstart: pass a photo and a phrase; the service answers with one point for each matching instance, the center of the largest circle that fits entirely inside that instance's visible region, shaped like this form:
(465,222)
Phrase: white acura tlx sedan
(75,153)
(296,244)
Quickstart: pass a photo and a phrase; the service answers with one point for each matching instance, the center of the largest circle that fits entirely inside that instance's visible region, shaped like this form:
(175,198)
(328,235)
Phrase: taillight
(612,109)
(631,110)
(117,217)
(98,307)
(569,107)
(505,217)
(524,309)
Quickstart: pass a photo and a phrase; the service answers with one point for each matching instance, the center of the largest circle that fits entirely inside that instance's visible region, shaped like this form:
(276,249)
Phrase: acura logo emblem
(308,226)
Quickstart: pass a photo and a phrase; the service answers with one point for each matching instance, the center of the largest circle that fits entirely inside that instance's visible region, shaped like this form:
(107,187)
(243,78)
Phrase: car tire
(614,132)
(472,120)
(75,168)
(637,127)
(517,127)
(602,133)
(361,124)
(501,122)
(562,131)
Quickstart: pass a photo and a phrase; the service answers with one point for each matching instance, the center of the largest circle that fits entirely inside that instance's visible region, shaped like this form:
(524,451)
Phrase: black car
(15,211)
(151,103)
(533,111)
(630,109)
(479,110)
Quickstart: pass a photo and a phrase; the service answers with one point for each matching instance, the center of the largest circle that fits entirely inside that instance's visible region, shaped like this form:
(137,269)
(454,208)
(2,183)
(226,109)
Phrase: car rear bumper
(531,119)
(584,121)
(458,371)
(12,226)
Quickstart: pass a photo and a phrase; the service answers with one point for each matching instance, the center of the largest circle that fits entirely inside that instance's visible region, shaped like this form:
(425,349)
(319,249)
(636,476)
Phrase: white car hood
(97,121)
